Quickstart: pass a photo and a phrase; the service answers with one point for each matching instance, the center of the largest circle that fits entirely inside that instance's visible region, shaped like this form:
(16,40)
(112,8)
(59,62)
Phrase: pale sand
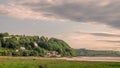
(102,59)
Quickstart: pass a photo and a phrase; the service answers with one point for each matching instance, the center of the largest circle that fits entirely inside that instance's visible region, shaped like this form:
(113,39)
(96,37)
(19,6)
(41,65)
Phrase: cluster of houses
(52,54)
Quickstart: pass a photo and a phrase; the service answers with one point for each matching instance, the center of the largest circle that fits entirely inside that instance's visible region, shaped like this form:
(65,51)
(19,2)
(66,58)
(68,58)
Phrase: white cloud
(18,12)
(24,1)
(22,12)
(90,41)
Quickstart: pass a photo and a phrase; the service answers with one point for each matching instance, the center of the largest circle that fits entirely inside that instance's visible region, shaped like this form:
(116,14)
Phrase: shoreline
(99,59)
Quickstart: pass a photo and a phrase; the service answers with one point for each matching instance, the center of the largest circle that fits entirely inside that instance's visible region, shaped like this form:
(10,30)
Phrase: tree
(34,53)
(24,40)
(4,34)
(61,47)
(25,53)
(14,42)
(35,38)
(40,51)
(0,43)
(44,45)
(43,39)
(11,43)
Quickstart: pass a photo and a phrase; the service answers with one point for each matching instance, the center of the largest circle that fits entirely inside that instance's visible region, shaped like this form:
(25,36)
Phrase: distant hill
(21,45)
(97,53)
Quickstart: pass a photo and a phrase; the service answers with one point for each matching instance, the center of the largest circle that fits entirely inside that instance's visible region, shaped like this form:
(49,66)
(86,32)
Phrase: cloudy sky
(91,24)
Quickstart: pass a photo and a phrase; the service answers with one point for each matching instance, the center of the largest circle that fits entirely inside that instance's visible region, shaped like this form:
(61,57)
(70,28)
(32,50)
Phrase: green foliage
(11,43)
(85,52)
(5,52)
(4,34)
(43,39)
(0,43)
(41,51)
(22,45)
(25,53)
(61,47)
(24,41)
(34,53)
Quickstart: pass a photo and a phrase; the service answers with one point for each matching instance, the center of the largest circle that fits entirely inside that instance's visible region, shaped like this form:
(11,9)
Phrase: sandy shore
(104,59)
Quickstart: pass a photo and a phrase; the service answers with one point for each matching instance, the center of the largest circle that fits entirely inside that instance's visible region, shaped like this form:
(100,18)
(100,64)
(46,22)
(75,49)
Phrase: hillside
(21,45)
(97,53)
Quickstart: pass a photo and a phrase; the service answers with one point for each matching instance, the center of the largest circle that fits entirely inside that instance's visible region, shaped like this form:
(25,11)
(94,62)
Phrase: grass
(13,62)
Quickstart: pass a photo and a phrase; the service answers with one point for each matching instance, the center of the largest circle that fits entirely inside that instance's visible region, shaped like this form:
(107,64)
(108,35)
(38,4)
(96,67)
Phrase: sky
(90,24)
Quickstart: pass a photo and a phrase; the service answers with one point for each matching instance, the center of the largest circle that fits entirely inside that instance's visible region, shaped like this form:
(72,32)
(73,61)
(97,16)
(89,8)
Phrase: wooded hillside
(21,45)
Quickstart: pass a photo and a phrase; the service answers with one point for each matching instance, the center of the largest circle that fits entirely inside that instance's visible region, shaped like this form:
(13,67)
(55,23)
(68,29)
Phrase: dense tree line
(21,45)
(103,53)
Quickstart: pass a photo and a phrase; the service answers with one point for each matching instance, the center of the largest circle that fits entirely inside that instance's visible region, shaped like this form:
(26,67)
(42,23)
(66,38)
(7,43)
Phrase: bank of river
(104,59)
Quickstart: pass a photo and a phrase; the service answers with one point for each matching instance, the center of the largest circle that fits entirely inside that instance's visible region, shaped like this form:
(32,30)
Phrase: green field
(13,62)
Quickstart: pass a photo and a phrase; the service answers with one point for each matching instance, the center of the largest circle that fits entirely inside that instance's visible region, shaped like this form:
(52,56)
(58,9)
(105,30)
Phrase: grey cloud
(111,41)
(100,34)
(80,10)
(105,34)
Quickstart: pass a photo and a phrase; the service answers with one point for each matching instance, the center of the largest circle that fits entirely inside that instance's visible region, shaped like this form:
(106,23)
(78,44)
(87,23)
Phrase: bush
(43,66)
